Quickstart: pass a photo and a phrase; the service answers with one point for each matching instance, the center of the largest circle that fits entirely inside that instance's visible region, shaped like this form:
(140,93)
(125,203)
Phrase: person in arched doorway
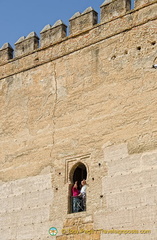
(75,191)
(83,193)
(75,198)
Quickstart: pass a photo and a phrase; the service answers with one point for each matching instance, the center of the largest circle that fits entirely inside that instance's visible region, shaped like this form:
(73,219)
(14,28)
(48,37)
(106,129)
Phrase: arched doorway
(77,174)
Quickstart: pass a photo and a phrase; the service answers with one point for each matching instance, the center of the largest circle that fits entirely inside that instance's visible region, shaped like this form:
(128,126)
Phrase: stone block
(123,200)
(119,183)
(124,165)
(132,218)
(6,189)
(140,3)
(18,202)
(31,199)
(5,220)
(30,184)
(6,234)
(149,177)
(149,159)
(115,152)
(45,197)
(25,232)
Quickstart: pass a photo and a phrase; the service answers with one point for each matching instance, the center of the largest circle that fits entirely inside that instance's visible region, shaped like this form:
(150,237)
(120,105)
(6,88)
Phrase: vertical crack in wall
(54,108)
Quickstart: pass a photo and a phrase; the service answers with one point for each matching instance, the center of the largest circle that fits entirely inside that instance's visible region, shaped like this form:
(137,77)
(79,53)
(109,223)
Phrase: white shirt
(83,189)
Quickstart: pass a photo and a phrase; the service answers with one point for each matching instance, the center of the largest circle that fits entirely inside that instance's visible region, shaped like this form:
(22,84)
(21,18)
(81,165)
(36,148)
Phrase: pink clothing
(75,192)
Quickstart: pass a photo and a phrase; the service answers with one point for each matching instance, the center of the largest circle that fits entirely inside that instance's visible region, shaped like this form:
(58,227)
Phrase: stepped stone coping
(89,9)
(47,27)
(77,14)
(106,2)
(32,34)
(58,23)
(6,45)
(20,39)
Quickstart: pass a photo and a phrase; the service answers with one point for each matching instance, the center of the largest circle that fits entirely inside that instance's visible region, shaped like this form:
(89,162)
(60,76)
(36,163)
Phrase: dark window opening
(80,173)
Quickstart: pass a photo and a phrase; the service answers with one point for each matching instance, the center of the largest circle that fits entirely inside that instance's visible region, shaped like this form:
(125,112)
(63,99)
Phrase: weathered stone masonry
(89,98)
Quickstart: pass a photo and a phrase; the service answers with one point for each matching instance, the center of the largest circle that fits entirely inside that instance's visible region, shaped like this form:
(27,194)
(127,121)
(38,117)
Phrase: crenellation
(111,9)
(80,22)
(26,44)
(52,34)
(6,52)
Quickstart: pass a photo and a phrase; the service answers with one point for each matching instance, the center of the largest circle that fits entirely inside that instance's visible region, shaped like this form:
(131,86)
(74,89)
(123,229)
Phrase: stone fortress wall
(89,98)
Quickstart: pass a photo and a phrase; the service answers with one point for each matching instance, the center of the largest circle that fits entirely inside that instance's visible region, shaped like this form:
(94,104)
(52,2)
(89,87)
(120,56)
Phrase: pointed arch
(78,173)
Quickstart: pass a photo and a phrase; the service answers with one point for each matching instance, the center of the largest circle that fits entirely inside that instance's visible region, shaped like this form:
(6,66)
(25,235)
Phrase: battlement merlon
(26,45)
(6,52)
(111,9)
(52,34)
(80,22)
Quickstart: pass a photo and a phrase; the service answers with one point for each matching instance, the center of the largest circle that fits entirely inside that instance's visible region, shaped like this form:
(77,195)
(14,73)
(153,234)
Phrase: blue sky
(20,17)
